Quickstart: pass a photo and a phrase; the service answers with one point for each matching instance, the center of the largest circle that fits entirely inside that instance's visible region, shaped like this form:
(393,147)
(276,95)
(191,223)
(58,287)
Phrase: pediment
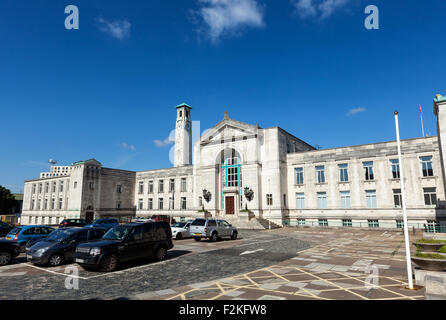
(227,130)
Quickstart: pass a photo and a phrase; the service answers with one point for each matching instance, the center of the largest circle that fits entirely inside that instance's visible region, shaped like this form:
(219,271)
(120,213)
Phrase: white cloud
(317,8)
(118,29)
(228,17)
(354,111)
(125,145)
(169,140)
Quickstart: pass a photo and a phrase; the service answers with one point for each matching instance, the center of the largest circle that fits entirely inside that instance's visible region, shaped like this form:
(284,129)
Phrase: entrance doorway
(89,215)
(229,205)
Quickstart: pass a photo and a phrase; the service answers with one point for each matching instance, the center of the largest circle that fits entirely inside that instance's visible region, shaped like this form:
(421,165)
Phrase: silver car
(212,229)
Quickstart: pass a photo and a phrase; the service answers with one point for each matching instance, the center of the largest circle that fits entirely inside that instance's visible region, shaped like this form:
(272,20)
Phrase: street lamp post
(403,200)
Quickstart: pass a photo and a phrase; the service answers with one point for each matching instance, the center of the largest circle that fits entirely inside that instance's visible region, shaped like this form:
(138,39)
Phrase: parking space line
(58,273)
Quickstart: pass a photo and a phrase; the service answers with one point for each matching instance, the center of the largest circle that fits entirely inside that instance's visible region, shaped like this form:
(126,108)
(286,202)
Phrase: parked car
(125,242)
(8,250)
(60,245)
(72,223)
(5,228)
(103,223)
(181,230)
(163,217)
(212,229)
(23,234)
(140,219)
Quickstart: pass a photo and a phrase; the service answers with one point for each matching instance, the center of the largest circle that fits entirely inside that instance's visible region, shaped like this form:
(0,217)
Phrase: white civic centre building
(254,177)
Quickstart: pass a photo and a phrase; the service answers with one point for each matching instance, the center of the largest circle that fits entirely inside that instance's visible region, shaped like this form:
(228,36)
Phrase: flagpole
(403,200)
(422,125)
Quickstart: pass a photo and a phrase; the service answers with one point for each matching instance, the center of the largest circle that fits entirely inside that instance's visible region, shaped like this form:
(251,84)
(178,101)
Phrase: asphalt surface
(188,262)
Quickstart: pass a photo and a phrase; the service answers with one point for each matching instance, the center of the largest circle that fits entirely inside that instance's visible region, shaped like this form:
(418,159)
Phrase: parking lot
(285,263)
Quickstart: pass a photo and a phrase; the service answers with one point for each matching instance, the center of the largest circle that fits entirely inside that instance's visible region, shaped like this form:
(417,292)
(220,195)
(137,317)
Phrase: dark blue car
(103,223)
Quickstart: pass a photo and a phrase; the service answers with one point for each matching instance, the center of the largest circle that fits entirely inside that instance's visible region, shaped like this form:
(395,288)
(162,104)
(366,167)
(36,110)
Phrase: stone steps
(253,224)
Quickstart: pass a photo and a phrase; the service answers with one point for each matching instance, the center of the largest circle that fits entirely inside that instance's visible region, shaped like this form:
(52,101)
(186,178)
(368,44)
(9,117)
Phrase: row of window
(369,172)
(171,205)
(47,204)
(348,223)
(47,187)
(430,199)
(161,186)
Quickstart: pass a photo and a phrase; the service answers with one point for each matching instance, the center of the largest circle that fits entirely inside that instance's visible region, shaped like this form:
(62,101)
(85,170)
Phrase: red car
(161,217)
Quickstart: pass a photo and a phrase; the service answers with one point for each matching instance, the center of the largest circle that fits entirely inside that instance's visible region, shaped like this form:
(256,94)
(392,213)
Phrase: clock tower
(183,136)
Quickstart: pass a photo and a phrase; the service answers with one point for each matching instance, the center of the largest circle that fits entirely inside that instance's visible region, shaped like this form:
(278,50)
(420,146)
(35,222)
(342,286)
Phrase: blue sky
(109,90)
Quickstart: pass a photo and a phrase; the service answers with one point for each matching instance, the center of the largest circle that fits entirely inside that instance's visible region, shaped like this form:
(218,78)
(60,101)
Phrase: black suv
(8,250)
(125,242)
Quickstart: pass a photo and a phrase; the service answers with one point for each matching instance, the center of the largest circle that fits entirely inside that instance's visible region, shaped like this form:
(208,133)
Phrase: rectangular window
(345,199)
(370,196)
(183,203)
(47,186)
(343,172)
(397,199)
(60,203)
(373,223)
(150,186)
(38,205)
(300,200)
(368,170)
(40,188)
(395,166)
(160,203)
(320,174)
(323,222)
(32,204)
(269,199)
(53,203)
(119,188)
(141,187)
(299,176)
(430,196)
(150,204)
(61,186)
(200,201)
(91,185)
(45,204)
(300,222)
(75,185)
(322,200)
(347,223)
(140,204)
(34,188)
(171,185)
(118,205)
(426,166)
(161,186)
(232,173)
(54,186)
(400,224)
(183,185)
(284,200)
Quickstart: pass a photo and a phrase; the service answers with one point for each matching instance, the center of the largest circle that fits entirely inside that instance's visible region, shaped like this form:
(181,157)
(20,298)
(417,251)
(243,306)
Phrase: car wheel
(179,236)
(161,253)
(234,235)
(55,260)
(197,238)
(214,237)
(110,263)
(5,258)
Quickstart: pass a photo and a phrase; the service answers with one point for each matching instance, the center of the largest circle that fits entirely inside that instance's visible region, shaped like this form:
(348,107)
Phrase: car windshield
(117,233)
(60,235)
(199,222)
(15,231)
(179,225)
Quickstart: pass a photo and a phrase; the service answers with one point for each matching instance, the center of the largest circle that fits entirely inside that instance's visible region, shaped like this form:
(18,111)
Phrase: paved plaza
(288,263)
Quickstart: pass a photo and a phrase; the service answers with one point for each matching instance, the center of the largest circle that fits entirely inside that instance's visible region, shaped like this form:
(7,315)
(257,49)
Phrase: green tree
(7,201)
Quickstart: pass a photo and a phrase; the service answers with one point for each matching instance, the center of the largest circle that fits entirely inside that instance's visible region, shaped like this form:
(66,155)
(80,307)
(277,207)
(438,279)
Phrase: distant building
(291,181)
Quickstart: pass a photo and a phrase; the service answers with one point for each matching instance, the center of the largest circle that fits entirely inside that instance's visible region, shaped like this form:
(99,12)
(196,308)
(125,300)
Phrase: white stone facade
(291,181)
